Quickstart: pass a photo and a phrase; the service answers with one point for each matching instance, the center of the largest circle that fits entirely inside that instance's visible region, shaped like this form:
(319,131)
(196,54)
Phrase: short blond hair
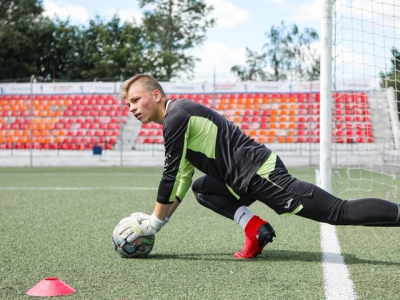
(148,82)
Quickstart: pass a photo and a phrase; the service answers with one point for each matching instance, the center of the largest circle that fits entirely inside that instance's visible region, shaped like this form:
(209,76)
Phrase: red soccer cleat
(258,233)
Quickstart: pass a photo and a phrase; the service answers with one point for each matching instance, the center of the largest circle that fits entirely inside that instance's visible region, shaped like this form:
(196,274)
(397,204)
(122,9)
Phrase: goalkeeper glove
(139,224)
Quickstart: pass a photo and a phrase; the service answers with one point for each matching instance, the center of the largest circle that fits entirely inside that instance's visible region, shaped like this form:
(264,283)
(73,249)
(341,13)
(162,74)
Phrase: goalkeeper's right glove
(139,224)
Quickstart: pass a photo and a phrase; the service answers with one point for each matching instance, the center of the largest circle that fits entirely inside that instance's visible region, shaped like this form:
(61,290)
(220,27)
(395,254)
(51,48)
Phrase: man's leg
(216,196)
(287,194)
(324,207)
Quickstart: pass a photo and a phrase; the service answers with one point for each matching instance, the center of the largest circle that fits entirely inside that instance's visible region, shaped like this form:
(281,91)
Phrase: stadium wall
(56,88)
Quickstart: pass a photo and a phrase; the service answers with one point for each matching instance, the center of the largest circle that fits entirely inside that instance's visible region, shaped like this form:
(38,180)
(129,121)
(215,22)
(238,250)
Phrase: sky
(240,24)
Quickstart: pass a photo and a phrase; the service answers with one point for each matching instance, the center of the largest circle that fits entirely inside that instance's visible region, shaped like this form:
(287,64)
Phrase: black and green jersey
(199,137)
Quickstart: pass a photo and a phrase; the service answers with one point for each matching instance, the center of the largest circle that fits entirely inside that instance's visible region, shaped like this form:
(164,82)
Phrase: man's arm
(162,211)
(153,223)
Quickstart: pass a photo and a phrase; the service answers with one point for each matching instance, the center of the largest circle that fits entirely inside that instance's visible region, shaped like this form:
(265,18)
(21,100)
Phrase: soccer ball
(138,248)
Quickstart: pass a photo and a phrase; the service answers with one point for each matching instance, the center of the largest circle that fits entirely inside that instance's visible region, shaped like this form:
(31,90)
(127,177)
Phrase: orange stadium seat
(262,139)
(74,115)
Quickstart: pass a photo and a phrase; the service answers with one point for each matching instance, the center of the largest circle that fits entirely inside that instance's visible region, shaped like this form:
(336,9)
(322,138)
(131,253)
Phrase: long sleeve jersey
(199,137)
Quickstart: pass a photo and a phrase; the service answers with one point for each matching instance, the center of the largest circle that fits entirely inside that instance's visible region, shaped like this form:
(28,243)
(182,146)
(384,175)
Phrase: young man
(238,171)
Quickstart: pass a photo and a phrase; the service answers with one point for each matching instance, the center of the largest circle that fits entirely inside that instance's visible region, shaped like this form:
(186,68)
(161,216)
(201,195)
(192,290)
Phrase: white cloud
(126,14)
(278,2)
(306,11)
(228,15)
(79,13)
(64,10)
(217,57)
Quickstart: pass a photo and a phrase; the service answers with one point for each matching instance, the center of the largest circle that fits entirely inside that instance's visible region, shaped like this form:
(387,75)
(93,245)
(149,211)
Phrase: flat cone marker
(50,286)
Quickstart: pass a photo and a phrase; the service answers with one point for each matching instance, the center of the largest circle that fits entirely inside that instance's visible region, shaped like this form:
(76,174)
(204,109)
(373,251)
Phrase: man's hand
(139,224)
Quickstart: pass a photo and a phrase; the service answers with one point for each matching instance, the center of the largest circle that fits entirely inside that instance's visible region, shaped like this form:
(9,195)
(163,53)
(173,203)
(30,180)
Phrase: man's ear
(157,95)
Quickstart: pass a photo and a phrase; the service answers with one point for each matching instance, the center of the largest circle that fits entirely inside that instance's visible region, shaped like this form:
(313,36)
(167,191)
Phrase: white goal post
(360,83)
(326,97)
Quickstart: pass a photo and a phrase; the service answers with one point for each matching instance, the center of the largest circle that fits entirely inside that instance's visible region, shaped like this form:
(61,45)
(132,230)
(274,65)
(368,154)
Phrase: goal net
(365,98)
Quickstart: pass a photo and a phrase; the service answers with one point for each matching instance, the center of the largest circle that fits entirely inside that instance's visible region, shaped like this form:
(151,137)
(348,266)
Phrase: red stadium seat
(158,141)
(148,141)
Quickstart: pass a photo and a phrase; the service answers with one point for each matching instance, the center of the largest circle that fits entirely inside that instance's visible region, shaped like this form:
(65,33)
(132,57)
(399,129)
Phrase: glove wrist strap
(156,222)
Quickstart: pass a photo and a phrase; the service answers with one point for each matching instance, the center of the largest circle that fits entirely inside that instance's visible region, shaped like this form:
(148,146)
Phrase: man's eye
(128,104)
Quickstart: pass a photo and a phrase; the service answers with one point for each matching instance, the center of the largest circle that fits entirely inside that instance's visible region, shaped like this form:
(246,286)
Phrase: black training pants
(283,192)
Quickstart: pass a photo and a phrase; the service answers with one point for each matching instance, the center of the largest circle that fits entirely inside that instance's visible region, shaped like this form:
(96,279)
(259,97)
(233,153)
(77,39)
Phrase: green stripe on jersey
(268,166)
(203,136)
(182,171)
(233,192)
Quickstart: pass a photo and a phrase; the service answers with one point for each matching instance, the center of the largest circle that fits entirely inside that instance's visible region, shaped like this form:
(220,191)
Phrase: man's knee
(196,185)
(197,189)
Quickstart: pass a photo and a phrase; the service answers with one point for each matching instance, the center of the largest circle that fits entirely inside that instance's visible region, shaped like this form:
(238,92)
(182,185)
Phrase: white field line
(61,188)
(337,282)
(338,285)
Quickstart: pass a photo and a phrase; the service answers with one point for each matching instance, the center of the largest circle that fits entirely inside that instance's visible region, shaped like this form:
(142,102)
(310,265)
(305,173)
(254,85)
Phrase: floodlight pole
(326,96)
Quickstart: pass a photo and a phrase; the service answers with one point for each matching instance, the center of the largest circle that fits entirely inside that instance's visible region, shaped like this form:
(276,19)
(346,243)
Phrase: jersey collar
(166,107)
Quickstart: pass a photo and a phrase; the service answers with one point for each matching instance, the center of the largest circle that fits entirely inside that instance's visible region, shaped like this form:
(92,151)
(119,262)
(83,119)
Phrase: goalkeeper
(239,171)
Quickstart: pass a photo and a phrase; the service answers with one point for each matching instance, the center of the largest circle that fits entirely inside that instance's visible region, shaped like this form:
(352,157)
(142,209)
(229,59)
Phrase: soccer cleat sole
(266,234)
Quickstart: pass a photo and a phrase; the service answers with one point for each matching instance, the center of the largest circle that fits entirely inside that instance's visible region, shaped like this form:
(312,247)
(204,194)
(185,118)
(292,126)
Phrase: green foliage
(56,50)
(111,49)
(51,49)
(20,35)
(174,26)
(256,63)
(288,55)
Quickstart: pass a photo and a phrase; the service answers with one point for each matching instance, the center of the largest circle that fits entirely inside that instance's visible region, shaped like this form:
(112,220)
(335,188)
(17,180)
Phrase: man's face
(142,104)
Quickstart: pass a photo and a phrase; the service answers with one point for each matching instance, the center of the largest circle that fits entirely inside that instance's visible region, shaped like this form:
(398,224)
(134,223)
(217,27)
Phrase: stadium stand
(79,122)
(285,118)
(67,122)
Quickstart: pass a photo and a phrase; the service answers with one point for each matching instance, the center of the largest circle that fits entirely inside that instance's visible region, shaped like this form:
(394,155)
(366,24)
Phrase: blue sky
(240,24)
(363,47)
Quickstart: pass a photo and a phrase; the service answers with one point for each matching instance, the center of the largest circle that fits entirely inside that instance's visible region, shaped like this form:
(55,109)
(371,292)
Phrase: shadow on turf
(277,255)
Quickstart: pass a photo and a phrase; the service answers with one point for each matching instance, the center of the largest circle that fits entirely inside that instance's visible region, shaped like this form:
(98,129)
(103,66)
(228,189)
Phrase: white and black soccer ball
(138,248)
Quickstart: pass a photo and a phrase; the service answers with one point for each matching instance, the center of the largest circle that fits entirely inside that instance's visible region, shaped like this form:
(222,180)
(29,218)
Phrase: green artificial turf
(57,222)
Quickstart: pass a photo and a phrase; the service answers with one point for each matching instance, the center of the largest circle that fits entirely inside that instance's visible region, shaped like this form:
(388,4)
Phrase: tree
(20,22)
(173,27)
(58,50)
(256,63)
(110,49)
(52,49)
(392,78)
(288,55)
(33,44)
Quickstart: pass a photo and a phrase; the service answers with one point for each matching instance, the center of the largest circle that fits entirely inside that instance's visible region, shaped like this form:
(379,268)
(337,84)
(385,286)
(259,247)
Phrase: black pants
(285,194)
